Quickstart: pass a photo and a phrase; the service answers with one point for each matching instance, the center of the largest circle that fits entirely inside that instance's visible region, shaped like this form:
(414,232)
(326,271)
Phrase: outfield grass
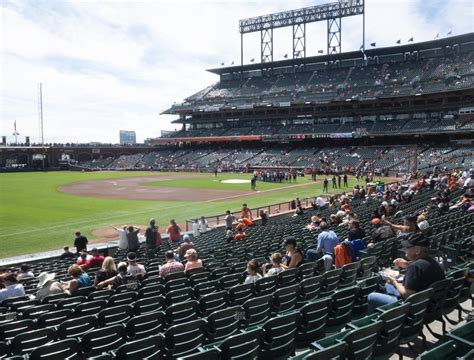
(34,216)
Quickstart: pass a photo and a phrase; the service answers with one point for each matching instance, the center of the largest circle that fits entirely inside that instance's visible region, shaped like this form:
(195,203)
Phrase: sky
(116,65)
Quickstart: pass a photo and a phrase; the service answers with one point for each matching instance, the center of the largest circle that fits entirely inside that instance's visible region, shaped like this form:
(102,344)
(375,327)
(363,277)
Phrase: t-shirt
(66,255)
(421,273)
(132,238)
(152,237)
(229,219)
(80,243)
(95,261)
(137,270)
(252,278)
(327,241)
(275,271)
(193,265)
(174,235)
(382,233)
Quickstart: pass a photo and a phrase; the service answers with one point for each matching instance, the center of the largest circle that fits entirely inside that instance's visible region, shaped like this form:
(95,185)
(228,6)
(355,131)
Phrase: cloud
(107,66)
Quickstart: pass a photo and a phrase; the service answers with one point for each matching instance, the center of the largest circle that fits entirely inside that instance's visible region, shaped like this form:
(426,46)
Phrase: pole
(363,25)
(241,54)
(41,119)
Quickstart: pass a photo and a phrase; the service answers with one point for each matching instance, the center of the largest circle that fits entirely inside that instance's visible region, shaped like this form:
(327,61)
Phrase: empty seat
(229,280)
(266,285)
(54,318)
(449,350)
(101,294)
(436,303)
(205,288)
(183,339)
(257,310)
(151,290)
(239,294)
(212,302)
(34,312)
(284,299)
(366,267)
(200,277)
(288,277)
(10,329)
(90,307)
(176,284)
(330,282)
(309,289)
(146,324)
(341,309)
(26,342)
(306,270)
(182,312)
(148,304)
(146,348)
(241,346)
(77,327)
(115,315)
(313,319)
(348,274)
(278,338)
(122,298)
(203,354)
(69,303)
(101,340)
(59,350)
(224,323)
(179,295)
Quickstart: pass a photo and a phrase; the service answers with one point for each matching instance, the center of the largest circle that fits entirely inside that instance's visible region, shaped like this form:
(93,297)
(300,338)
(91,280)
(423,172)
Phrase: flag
(449,33)
(320,51)
(410,39)
(232,63)
(286,56)
(222,64)
(373,44)
(14,125)
(252,60)
(399,41)
(437,36)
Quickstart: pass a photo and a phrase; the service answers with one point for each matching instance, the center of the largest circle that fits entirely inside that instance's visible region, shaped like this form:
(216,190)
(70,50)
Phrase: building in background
(127,137)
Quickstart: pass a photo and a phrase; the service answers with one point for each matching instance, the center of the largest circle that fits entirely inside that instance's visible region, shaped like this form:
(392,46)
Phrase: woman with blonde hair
(107,271)
(79,280)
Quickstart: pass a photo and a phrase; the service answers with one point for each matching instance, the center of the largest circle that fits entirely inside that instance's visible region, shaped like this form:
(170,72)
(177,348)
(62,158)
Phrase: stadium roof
(426,45)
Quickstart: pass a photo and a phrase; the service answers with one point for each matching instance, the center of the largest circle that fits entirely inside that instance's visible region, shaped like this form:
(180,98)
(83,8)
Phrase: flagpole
(41,119)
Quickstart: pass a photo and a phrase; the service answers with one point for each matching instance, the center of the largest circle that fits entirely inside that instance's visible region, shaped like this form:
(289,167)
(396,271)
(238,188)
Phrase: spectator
(203,225)
(240,235)
(83,259)
(264,217)
(277,267)
(192,261)
(122,234)
(252,274)
(196,227)
(96,259)
(327,241)
(421,272)
(229,220)
(171,265)
(79,280)
(355,232)
(185,246)
(12,287)
(47,286)
(382,232)
(66,254)
(229,236)
(132,238)
(246,213)
(25,273)
(122,278)
(314,224)
(152,238)
(294,255)
(174,231)
(134,269)
(107,271)
(409,226)
(80,242)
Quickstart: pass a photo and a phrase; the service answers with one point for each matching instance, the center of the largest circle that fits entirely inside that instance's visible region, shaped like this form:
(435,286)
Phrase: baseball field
(41,210)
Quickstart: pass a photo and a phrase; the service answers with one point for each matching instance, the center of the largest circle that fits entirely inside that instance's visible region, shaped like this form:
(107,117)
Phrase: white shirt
(137,269)
(195,229)
(320,202)
(469,183)
(202,226)
(252,278)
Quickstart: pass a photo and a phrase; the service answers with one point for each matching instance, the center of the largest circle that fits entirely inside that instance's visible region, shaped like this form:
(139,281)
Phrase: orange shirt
(240,236)
(174,235)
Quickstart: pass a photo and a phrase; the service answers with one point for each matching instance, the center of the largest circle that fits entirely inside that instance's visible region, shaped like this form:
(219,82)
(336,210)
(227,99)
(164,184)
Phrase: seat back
(84,291)
(266,285)
(310,288)
(366,267)
(284,299)
(200,277)
(115,315)
(239,294)
(10,329)
(208,354)
(151,290)
(313,319)
(454,291)
(183,339)
(26,342)
(306,270)
(366,286)
(147,348)
(147,324)
(330,282)
(212,302)
(59,350)
(176,284)
(90,307)
(229,280)
(288,277)
(414,322)
(336,351)
(35,312)
(182,312)
(362,341)
(343,301)
(148,304)
(69,303)
(122,298)
(97,341)
(74,328)
(205,288)
(179,295)
(101,294)
(437,300)
(349,274)
(279,336)
(257,310)
(224,323)
(241,346)
(54,318)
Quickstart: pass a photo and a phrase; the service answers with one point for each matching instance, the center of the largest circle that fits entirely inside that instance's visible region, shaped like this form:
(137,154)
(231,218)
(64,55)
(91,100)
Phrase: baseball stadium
(312,207)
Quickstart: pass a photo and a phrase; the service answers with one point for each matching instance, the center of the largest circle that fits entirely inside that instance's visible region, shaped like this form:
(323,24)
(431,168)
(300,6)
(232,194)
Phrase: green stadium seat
(147,324)
(278,337)
(75,328)
(67,349)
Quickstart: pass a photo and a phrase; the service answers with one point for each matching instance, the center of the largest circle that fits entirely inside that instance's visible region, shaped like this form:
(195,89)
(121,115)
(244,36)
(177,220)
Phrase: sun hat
(416,239)
(44,277)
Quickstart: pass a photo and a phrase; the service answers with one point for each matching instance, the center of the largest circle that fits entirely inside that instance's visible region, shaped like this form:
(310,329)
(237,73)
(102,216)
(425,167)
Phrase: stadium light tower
(297,19)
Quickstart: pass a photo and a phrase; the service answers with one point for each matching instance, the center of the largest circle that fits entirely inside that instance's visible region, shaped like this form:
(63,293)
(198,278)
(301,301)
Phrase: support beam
(266,45)
(299,41)
(334,36)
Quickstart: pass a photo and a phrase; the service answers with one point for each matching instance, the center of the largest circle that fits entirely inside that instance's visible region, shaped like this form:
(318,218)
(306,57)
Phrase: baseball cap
(375,221)
(416,239)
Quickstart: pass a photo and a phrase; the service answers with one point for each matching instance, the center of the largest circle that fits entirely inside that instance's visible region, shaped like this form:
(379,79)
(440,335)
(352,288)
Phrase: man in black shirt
(382,232)
(66,253)
(422,272)
(152,237)
(80,242)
